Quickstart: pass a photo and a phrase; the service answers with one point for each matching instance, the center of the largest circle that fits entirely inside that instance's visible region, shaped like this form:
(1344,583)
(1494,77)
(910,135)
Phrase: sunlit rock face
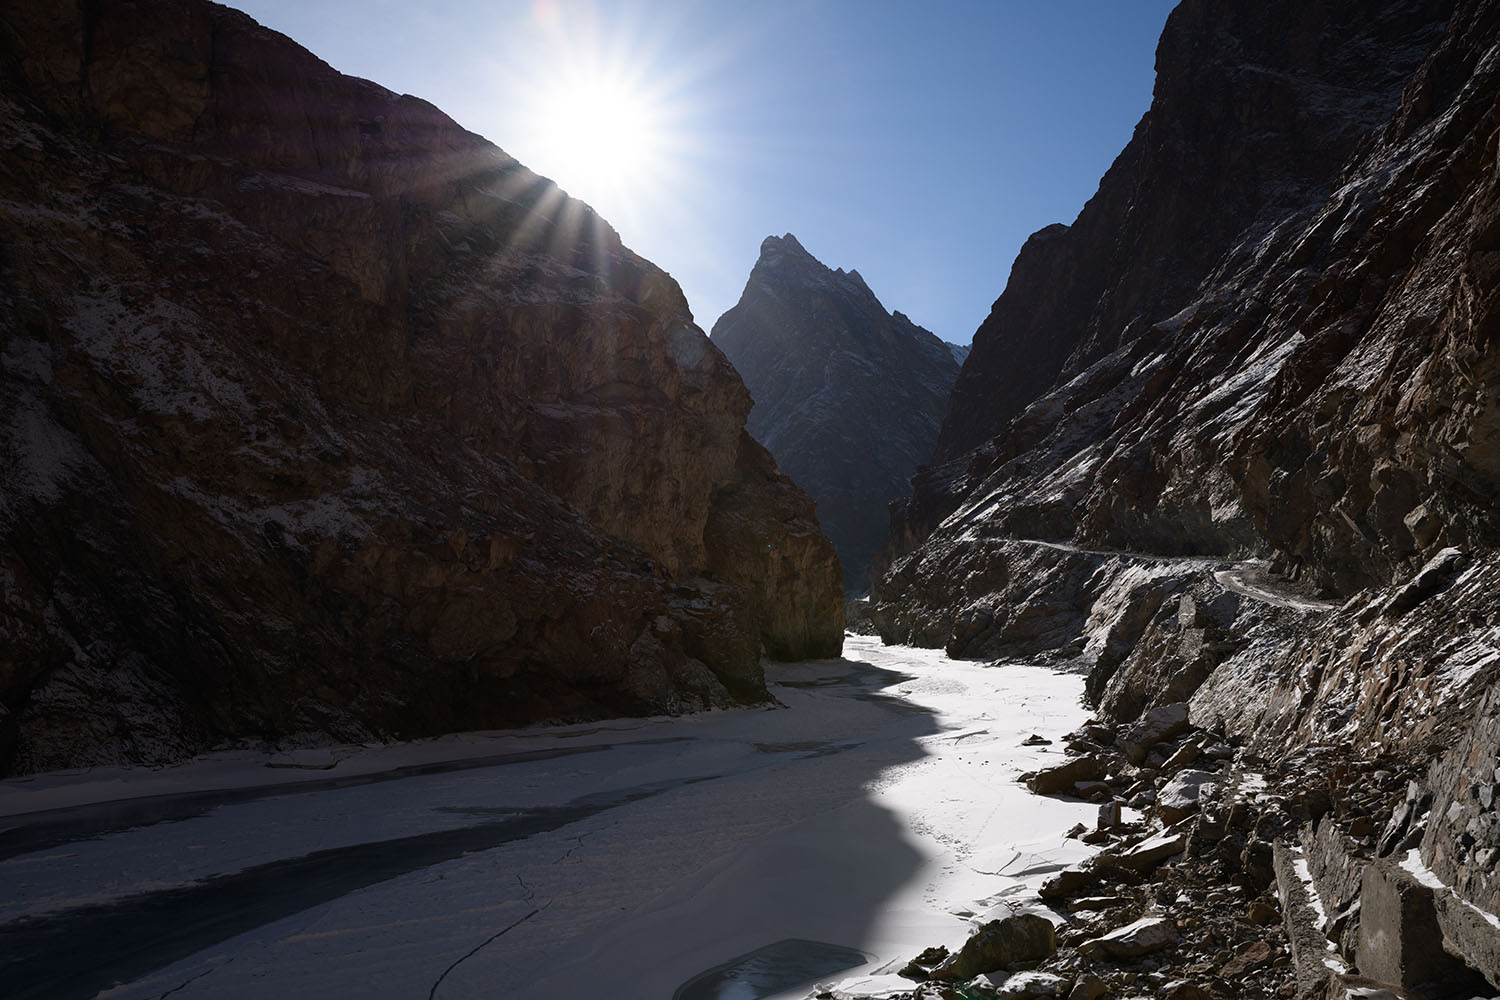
(848,397)
(1265,334)
(1313,384)
(1270,335)
(323,415)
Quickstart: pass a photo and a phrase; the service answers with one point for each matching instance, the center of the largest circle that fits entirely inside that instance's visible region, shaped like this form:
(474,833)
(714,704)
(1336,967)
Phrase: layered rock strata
(1243,456)
(325,416)
(848,397)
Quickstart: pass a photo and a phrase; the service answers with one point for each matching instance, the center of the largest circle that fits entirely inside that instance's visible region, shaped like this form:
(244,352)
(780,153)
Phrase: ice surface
(878,812)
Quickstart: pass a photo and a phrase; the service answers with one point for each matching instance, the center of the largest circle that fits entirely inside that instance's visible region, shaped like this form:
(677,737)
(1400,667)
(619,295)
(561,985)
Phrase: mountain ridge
(847,395)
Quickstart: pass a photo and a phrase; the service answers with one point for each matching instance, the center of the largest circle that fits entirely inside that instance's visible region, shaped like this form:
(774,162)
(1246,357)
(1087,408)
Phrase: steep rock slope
(1256,108)
(324,415)
(1264,481)
(848,397)
(1237,417)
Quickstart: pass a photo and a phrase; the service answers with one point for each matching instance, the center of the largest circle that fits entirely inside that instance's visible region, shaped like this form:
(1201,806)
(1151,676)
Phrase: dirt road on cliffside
(1250,578)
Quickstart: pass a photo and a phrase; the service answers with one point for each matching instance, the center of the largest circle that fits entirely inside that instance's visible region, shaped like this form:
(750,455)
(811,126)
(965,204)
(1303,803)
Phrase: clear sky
(919,142)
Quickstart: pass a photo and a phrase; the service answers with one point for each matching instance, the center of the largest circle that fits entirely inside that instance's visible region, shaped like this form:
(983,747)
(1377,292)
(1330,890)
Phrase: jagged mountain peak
(847,395)
(778,250)
(774,248)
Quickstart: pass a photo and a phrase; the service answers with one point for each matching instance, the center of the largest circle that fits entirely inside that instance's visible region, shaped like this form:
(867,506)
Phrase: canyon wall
(1229,439)
(325,418)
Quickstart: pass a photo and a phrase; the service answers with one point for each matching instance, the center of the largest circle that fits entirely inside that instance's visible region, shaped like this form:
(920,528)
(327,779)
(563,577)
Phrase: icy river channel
(732,855)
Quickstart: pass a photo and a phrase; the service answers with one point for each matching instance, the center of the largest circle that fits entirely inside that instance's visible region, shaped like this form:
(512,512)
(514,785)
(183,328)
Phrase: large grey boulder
(1025,937)
(1179,797)
(1144,936)
(1161,723)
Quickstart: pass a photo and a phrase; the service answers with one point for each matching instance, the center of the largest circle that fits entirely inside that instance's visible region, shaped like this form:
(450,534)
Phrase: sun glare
(622,104)
(604,107)
(600,137)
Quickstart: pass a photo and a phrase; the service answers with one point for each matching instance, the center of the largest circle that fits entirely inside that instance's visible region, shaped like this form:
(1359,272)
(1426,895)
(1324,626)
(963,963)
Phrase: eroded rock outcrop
(1317,399)
(848,397)
(1243,458)
(323,415)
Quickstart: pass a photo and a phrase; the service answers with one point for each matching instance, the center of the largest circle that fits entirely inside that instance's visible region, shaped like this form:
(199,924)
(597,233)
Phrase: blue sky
(919,143)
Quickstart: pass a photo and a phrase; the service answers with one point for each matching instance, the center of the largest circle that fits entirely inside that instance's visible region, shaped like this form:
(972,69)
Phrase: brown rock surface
(763,536)
(323,415)
(1023,938)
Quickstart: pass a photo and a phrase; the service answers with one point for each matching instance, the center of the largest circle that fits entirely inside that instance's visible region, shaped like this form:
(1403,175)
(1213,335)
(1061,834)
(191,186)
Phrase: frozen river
(725,856)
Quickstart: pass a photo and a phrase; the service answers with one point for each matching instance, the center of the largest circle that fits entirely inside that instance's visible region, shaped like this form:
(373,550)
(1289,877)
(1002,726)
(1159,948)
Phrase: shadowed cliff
(324,416)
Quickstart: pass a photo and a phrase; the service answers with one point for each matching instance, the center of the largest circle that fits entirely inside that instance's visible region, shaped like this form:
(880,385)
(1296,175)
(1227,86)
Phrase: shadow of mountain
(827,859)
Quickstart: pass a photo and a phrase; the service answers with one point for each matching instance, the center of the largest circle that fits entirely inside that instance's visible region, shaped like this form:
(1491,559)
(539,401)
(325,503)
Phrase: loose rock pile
(1204,887)
(1136,922)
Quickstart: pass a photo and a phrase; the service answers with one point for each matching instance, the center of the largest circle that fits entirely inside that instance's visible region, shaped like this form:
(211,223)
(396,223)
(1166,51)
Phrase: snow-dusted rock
(1144,936)
(1152,851)
(1160,723)
(1179,797)
(1027,985)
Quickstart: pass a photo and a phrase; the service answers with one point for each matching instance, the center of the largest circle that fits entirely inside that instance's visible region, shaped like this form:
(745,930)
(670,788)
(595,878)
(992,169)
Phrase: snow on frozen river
(876,814)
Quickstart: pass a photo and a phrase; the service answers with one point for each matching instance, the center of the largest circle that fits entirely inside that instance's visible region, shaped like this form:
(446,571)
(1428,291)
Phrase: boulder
(1261,913)
(1160,723)
(1088,987)
(1151,852)
(1185,991)
(1027,985)
(1063,777)
(1143,937)
(919,967)
(1099,874)
(1025,937)
(1092,791)
(1249,958)
(1178,799)
(1184,755)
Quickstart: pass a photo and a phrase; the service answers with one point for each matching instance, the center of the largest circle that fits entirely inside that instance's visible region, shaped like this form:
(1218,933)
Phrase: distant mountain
(848,397)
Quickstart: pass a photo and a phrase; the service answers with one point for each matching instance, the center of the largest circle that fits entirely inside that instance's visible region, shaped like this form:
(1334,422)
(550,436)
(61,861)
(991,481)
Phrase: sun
(617,103)
(600,135)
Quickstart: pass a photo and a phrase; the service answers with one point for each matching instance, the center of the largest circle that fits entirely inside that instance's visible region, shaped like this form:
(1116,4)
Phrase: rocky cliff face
(323,415)
(848,397)
(1229,440)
